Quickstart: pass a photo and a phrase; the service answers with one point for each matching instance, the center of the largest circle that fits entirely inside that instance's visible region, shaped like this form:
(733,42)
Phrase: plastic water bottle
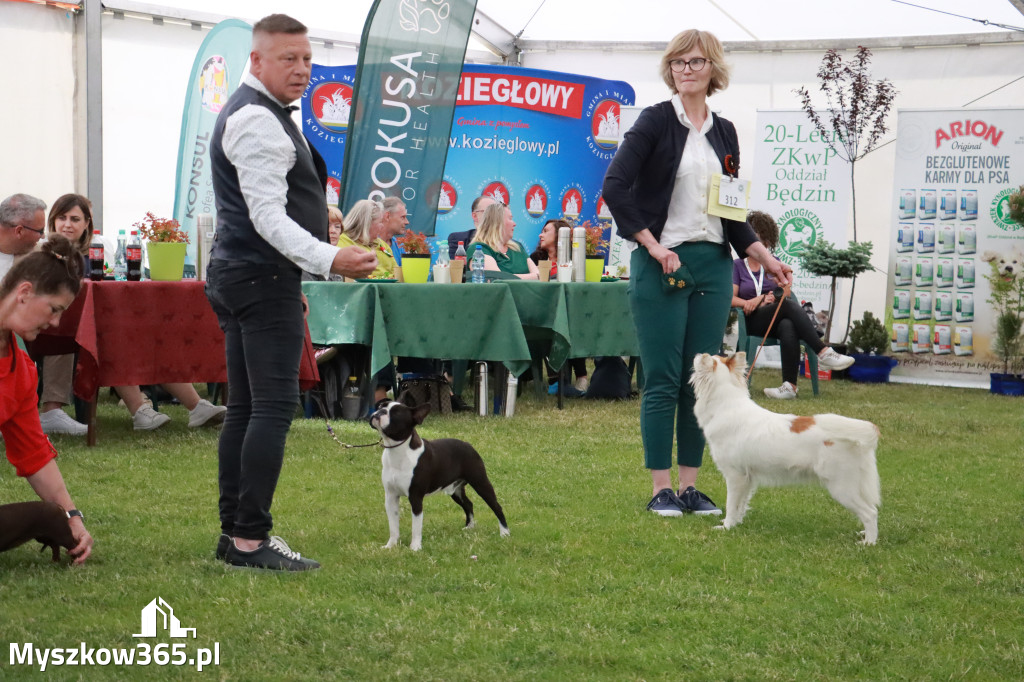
(133,257)
(121,258)
(477,265)
(351,400)
(442,254)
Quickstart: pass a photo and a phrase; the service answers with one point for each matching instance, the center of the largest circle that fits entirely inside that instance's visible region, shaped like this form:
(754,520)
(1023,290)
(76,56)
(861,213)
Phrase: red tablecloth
(130,333)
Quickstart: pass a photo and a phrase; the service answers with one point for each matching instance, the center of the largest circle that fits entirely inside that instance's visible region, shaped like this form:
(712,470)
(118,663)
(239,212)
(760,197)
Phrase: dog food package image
(967,239)
(947,204)
(905,237)
(944,272)
(922,305)
(946,238)
(942,339)
(968,204)
(900,337)
(963,341)
(964,306)
(908,204)
(904,274)
(964,273)
(944,306)
(920,339)
(901,304)
(926,238)
(926,207)
(924,272)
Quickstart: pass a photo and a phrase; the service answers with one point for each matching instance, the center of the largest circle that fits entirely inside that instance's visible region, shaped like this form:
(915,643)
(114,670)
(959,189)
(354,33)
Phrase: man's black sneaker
(223,542)
(665,503)
(697,502)
(274,554)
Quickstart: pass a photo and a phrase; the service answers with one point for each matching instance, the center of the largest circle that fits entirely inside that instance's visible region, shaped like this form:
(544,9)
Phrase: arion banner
(410,57)
(801,183)
(540,141)
(954,172)
(216,72)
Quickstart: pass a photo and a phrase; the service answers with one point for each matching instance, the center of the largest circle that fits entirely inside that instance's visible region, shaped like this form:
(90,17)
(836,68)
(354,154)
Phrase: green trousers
(672,326)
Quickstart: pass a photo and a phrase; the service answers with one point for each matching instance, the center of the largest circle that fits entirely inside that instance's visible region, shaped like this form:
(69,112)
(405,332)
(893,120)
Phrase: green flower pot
(166,261)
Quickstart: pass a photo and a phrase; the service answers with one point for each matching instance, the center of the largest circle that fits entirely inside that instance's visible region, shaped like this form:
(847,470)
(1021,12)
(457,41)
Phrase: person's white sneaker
(829,359)
(786,391)
(205,413)
(58,421)
(148,419)
(582,384)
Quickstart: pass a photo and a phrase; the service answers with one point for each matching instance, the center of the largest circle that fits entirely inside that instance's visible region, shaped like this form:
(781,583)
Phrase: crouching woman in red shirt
(33,295)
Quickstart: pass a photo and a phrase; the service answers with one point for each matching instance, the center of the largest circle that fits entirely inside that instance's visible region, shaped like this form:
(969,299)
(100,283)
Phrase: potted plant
(415,257)
(597,250)
(870,341)
(823,259)
(1007,299)
(166,244)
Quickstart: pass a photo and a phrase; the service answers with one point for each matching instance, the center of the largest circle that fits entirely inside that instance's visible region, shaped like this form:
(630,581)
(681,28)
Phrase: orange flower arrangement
(164,230)
(413,242)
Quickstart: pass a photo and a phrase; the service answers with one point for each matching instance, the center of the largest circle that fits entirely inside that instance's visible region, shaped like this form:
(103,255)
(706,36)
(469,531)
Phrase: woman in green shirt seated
(501,252)
(362,227)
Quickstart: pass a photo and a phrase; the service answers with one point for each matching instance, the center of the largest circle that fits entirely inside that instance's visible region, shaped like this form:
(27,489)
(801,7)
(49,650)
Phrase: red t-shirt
(27,447)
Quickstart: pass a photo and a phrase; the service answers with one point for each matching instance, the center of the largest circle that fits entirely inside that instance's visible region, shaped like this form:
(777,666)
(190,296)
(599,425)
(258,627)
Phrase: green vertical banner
(216,73)
(410,61)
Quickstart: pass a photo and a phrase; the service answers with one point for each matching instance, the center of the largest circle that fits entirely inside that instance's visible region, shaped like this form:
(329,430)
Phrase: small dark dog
(414,468)
(42,521)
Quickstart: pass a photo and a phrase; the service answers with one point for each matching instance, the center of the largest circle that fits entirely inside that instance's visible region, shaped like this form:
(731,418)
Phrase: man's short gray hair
(18,209)
(392,204)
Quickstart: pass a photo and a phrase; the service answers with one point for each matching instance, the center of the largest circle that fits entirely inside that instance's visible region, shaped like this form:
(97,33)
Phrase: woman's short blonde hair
(358,224)
(334,215)
(712,49)
(492,228)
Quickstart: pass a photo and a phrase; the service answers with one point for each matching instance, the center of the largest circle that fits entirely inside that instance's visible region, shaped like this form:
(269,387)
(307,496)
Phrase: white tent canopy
(935,60)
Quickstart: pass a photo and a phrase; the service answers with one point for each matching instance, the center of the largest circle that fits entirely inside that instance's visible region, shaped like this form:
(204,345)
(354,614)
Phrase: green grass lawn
(588,587)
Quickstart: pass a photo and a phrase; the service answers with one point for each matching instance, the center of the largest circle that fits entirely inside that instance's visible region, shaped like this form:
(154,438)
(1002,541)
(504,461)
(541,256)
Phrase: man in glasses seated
(22,223)
(480,205)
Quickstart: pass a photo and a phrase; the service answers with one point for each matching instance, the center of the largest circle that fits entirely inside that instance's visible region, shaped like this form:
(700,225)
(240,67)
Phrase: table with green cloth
(490,322)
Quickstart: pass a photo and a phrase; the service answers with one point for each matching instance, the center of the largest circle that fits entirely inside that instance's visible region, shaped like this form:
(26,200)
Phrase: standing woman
(33,295)
(681,271)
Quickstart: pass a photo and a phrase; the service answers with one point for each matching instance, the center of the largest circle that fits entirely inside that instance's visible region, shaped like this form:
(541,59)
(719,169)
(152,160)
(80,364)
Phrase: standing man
(271,225)
(480,205)
(22,223)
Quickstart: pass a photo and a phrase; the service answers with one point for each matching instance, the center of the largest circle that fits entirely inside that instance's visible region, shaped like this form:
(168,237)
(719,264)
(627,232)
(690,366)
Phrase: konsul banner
(539,141)
(954,171)
(800,182)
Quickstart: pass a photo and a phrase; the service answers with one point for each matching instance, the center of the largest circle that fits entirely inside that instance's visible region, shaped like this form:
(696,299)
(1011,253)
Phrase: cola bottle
(96,258)
(134,257)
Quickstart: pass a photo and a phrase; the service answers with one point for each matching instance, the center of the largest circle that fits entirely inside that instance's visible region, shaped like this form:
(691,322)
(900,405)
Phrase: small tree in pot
(823,259)
(869,336)
(1007,299)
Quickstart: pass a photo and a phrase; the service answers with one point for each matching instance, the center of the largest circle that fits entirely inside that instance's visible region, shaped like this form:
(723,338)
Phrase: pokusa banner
(950,224)
(216,72)
(539,141)
(805,187)
(410,55)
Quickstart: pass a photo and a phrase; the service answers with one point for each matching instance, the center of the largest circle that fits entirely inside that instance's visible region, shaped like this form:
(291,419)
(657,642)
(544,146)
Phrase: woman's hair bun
(58,246)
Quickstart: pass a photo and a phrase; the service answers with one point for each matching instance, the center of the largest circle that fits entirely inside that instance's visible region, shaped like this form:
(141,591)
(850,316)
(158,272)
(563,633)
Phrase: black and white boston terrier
(414,467)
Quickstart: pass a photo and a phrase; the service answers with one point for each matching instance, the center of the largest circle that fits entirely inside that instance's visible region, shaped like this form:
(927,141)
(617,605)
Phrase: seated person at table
(752,290)
(71,216)
(362,228)
(501,251)
(335,224)
(477,209)
(547,249)
(393,223)
(33,294)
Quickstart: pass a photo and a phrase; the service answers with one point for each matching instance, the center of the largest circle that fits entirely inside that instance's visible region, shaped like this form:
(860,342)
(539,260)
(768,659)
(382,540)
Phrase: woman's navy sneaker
(696,502)
(665,503)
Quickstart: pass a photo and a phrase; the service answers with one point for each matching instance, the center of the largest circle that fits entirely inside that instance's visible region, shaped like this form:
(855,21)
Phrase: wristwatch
(75,512)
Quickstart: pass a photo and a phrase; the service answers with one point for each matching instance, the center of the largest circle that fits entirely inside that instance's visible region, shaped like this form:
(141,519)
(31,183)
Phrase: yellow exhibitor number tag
(728,197)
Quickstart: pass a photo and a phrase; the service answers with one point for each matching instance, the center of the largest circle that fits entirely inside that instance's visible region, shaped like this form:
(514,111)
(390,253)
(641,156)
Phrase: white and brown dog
(414,467)
(753,446)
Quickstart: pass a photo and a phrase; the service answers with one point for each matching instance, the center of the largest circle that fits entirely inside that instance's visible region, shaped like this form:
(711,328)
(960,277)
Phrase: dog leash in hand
(778,306)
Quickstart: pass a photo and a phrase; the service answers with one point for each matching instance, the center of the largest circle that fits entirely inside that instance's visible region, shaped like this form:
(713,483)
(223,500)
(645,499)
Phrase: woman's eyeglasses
(695,64)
